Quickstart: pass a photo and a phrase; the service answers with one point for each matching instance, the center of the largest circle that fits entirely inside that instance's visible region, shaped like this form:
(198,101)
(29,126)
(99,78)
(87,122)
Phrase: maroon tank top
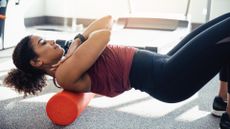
(110,73)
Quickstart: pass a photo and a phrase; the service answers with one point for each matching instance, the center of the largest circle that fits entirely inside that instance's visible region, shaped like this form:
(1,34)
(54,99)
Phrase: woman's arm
(102,23)
(105,22)
(70,72)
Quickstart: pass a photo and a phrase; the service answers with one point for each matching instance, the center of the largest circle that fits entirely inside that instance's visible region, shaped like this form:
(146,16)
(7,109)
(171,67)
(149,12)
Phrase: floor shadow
(32,115)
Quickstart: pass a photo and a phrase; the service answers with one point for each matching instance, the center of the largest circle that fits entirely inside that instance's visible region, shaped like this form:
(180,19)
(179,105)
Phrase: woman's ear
(36,62)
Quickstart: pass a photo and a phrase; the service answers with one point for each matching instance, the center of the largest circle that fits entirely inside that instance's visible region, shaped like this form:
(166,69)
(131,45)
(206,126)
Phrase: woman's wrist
(77,42)
(85,34)
(74,45)
(81,38)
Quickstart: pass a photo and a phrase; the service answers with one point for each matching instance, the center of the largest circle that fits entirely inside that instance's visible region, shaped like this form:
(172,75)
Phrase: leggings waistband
(142,69)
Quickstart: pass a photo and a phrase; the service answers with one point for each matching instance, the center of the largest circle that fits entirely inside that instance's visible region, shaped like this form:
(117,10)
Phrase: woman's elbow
(109,20)
(107,35)
(108,17)
(102,35)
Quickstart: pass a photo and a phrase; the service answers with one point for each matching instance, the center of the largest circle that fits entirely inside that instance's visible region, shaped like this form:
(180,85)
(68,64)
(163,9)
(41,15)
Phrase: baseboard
(33,21)
(195,25)
(52,20)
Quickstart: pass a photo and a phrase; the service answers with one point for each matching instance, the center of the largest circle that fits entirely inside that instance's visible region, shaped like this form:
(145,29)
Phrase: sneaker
(225,121)
(218,106)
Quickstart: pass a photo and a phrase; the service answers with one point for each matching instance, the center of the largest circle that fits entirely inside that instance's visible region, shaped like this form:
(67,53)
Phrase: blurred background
(156,25)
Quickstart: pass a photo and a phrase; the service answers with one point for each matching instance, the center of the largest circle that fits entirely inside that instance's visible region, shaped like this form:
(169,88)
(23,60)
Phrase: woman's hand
(75,44)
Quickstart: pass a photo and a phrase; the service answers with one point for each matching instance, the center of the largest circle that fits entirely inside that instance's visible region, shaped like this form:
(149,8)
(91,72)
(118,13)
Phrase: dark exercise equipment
(65,44)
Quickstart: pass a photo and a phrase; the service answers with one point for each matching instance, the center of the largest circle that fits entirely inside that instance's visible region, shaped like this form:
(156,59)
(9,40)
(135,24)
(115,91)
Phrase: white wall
(219,7)
(33,8)
(160,6)
(85,8)
(197,11)
(98,8)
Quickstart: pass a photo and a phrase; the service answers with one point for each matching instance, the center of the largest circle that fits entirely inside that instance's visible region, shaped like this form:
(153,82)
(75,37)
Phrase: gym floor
(130,110)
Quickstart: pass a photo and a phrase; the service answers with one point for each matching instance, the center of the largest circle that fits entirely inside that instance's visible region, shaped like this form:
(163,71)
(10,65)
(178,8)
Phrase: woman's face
(48,51)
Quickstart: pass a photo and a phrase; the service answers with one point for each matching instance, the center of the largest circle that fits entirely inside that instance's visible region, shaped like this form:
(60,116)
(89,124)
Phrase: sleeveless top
(110,73)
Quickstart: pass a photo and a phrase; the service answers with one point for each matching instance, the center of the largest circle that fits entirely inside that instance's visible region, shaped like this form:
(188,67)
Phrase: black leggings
(183,71)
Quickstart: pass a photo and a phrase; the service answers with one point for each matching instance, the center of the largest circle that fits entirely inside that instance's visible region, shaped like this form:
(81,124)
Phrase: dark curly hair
(25,78)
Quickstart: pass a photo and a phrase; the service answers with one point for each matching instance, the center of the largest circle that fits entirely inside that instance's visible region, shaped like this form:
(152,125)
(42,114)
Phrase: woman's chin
(62,51)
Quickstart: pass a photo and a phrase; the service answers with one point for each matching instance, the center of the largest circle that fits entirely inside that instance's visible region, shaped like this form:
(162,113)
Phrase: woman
(110,70)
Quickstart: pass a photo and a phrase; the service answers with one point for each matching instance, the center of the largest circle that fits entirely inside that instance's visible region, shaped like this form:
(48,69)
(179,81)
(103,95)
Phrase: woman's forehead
(35,39)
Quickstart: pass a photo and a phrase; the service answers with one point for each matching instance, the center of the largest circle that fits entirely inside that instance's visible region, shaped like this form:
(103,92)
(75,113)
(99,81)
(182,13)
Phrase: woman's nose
(52,42)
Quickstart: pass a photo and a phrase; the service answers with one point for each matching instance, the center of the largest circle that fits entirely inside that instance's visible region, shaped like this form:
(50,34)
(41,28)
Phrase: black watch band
(81,37)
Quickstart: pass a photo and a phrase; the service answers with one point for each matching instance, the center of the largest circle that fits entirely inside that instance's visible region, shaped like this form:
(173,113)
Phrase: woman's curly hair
(25,78)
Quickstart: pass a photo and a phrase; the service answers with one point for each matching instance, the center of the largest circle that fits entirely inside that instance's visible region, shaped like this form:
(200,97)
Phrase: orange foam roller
(64,107)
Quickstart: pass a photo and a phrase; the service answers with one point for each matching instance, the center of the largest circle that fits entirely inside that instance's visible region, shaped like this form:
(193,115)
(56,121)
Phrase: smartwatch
(81,37)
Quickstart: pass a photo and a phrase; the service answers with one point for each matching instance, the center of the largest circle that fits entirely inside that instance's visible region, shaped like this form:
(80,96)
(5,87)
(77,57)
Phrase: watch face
(81,37)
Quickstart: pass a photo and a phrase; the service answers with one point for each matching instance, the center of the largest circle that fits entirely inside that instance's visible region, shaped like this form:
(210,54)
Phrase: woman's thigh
(197,31)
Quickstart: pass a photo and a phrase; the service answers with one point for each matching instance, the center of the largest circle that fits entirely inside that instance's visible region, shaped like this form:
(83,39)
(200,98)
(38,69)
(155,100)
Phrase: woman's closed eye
(43,42)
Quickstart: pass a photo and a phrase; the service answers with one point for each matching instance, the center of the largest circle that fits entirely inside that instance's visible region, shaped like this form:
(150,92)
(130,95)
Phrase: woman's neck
(51,73)
(51,70)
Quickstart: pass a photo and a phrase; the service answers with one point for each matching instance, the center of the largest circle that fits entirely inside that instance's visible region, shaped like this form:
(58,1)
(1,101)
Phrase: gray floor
(131,110)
